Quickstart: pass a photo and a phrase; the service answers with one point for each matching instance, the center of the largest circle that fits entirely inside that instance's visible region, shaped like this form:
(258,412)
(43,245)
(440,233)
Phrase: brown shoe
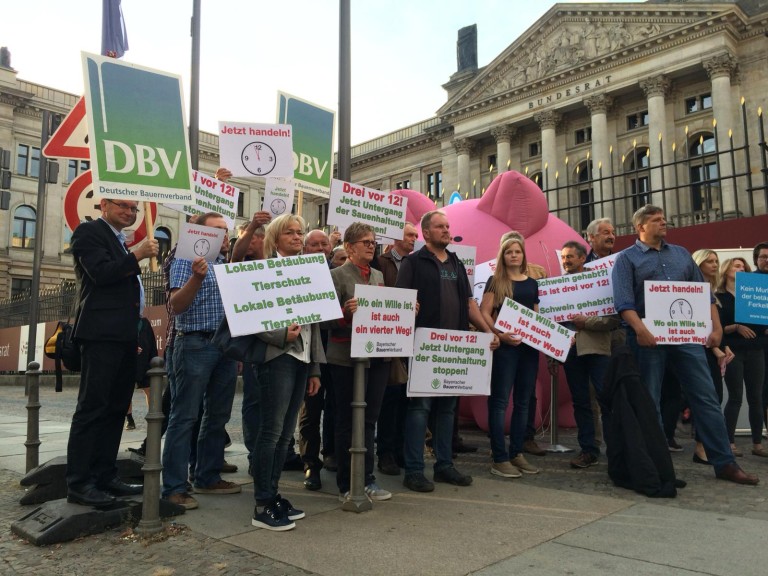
(220,487)
(228,468)
(733,473)
(758,450)
(183,499)
(530,447)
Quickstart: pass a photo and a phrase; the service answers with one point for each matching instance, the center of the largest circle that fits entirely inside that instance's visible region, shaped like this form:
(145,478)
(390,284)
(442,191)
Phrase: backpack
(62,348)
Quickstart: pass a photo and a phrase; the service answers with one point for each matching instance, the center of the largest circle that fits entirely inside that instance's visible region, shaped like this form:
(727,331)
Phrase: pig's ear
(418,205)
(517,201)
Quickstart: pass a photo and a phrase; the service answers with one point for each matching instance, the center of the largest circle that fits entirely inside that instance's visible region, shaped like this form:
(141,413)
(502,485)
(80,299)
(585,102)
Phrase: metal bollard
(358,501)
(150,514)
(33,415)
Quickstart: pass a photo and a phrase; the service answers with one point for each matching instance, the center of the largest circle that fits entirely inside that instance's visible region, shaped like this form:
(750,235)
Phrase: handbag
(62,348)
(249,348)
(398,373)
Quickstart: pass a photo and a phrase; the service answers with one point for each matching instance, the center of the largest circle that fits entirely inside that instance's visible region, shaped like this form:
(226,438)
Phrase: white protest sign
(483,273)
(589,293)
(383,324)
(278,196)
(537,331)
(678,312)
(606,263)
(211,195)
(383,211)
(450,363)
(199,241)
(467,255)
(256,149)
(269,294)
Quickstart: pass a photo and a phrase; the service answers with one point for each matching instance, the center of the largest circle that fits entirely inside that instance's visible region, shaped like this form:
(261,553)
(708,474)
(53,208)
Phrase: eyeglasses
(763,257)
(366,243)
(133,209)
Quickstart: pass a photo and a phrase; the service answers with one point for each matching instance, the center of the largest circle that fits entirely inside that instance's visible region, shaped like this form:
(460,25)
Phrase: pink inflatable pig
(511,202)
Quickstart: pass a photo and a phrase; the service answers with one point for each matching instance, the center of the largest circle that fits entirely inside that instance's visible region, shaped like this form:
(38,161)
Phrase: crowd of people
(306,376)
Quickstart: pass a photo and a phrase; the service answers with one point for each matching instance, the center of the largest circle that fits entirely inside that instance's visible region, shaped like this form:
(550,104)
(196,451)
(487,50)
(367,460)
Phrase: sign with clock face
(278,196)
(257,149)
(678,312)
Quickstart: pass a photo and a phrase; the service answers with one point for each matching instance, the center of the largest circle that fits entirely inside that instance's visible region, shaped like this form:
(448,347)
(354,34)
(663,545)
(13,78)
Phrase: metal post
(194,88)
(358,501)
(344,167)
(33,416)
(150,514)
(553,445)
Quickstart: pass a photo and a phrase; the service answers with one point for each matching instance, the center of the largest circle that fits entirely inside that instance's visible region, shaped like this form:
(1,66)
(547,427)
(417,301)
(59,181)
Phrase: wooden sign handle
(153,267)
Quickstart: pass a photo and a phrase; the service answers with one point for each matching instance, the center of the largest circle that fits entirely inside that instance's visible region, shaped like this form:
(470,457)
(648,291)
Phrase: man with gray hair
(652,258)
(601,236)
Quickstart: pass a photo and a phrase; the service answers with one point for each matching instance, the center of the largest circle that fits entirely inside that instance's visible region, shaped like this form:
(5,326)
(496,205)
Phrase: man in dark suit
(111,298)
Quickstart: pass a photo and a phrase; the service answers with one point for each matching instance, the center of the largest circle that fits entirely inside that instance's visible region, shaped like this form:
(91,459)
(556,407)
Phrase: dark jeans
(390,429)
(416,419)
(376,378)
(313,410)
(746,370)
(579,370)
(106,388)
(250,409)
(514,372)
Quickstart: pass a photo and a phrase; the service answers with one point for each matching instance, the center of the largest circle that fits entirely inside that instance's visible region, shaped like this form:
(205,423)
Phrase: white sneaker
(375,492)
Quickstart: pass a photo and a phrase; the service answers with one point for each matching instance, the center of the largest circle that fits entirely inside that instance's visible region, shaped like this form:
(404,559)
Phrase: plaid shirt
(206,312)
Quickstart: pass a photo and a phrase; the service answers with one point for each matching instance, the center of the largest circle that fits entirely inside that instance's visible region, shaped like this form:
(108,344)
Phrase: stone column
(464,148)
(548,121)
(721,69)
(503,136)
(598,107)
(656,90)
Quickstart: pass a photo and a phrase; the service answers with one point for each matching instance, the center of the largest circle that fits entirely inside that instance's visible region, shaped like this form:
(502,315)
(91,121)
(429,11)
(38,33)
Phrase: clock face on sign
(277,206)
(259,158)
(202,247)
(681,310)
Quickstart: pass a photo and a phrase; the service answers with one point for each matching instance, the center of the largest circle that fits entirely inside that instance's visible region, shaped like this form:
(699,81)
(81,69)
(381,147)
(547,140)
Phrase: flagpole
(194,89)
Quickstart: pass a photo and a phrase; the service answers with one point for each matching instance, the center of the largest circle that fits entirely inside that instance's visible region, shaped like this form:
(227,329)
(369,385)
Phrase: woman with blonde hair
(515,365)
(748,366)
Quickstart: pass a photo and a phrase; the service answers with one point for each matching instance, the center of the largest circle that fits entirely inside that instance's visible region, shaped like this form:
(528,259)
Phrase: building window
(538,179)
(638,178)
(492,162)
(24,218)
(705,181)
(534,149)
(75,167)
(586,194)
(163,237)
(638,120)
(28,160)
(241,204)
(435,185)
(322,215)
(698,103)
(583,135)
(20,286)
(403,185)
(66,242)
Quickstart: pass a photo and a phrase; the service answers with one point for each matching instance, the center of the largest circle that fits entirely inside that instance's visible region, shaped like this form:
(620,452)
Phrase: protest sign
(312,142)
(211,195)
(538,331)
(383,324)
(199,242)
(589,293)
(256,149)
(606,263)
(137,132)
(384,212)
(678,312)
(467,255)
(269,294)
(751,298)
(278,196)
(450,363)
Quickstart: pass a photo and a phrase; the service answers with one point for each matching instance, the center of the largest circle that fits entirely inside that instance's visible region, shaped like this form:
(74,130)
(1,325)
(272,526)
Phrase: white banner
(278,196)
(450,363)
(211,195)
(678,312)
(269,294)
(199,241)
(384,211)
(383,324)
(467,255)
(589,293)
(606,263)
(537,331)
(256,149)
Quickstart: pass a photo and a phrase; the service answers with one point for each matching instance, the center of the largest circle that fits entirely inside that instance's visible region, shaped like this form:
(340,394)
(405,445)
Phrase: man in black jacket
(111,298)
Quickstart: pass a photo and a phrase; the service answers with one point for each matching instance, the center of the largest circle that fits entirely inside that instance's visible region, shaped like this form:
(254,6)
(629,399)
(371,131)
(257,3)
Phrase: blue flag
(114,40)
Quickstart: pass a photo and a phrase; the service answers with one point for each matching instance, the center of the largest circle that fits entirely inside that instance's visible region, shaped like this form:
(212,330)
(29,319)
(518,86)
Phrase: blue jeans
(689,364)
(250,408)
(202,376)
(281,385)
(514,371)
(416,419)
(578,371)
